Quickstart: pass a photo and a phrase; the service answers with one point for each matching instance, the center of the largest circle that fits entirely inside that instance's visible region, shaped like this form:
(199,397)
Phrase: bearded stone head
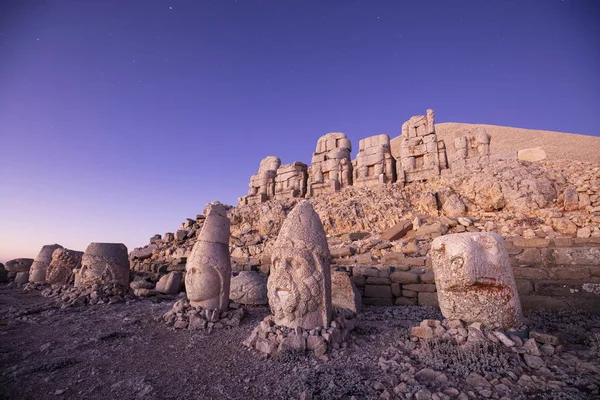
(299,287)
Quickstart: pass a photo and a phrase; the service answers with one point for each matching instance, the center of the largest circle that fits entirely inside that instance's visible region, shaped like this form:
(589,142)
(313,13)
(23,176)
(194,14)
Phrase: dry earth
(121,351)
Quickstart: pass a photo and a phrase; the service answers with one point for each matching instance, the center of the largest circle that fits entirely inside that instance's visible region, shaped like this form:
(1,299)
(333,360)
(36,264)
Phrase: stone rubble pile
(185,316)
(531,345)
(69,296)
(271,339)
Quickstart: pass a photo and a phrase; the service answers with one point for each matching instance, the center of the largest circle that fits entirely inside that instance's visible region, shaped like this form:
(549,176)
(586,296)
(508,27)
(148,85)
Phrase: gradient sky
(120,118)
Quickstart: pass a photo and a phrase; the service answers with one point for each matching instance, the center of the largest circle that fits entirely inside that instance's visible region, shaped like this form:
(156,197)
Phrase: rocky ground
(122,350)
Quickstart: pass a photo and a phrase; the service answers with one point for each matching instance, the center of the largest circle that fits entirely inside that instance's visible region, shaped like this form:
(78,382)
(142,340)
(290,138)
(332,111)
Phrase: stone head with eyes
(299,286)
(474,279)
(208,269)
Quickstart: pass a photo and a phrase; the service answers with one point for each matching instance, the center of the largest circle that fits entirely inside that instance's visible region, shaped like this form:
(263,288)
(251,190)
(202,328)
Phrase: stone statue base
(183,315)
(271,340)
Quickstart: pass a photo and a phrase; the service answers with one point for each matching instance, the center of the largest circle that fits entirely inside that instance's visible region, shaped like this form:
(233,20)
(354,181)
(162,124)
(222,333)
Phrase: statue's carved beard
(295,299)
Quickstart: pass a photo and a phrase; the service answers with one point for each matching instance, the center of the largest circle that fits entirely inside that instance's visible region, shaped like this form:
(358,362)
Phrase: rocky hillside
(546,199)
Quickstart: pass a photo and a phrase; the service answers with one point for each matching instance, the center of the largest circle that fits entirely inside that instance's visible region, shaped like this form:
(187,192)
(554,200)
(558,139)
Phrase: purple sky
(120,118)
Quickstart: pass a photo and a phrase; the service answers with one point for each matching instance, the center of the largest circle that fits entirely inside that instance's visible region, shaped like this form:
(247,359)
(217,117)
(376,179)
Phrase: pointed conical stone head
(208,268)
(37,273)
(299,286)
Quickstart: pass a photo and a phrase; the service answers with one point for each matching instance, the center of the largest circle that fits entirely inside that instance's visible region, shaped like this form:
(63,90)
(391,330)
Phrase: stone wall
(550,273)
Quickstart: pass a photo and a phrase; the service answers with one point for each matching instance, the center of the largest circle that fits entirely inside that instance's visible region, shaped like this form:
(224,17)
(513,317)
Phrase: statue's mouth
(283,294)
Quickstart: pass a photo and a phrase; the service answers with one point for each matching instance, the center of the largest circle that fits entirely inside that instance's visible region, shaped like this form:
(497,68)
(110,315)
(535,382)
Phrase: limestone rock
(37,272)
(249,287)
(474,280)
(105,263)
(22,278)
(3,274)
(397,231)
(60,270)
(19,265)
(170,283)
(570,199)
(345,297)
(421,155)
(262,184)
(208,268)
(144,252)
(533,154)
(374,163)
(299,286)
(290,181)
(331,167)
(453,206)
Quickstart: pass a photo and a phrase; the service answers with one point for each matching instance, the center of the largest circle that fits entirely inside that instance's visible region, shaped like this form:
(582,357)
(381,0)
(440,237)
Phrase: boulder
(3,274)
(60,270)
(570,199)
(22,278)
(532,154)
(249,287)
(397,231)
(143,253)
(345,297)
(170,283)
(19,265)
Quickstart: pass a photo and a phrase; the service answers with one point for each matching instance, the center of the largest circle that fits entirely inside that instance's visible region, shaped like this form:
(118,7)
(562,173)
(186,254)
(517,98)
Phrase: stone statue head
(299,286)
(474,279)
(208,269)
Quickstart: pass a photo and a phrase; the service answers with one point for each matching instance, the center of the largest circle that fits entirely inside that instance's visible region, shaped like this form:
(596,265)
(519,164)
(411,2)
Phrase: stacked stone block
(331,167)
(291,180)
(422,156)
(471,148)
(374,163)
(262,184)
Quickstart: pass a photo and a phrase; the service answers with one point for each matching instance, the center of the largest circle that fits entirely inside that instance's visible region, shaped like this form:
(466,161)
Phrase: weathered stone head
(37,273)
(60,270)
(208,267)
(104,263)
(299,286)
(474,280)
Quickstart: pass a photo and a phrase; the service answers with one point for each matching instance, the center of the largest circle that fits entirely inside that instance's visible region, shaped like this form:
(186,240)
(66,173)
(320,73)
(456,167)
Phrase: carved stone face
(474,279)
(202,282)
(294,284)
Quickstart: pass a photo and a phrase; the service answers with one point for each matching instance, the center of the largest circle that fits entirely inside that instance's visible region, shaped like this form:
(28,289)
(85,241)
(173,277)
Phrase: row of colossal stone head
(472,271)
(421,156)
(54,264)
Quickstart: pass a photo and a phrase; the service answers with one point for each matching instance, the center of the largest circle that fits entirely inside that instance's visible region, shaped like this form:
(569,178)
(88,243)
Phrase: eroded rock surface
(60,270)
(474,280)
(249,287)
(105,263)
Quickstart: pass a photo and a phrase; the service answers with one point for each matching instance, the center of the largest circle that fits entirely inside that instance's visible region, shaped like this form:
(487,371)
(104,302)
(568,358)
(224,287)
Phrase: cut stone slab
(532,154)
(397,231)
(345,297)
